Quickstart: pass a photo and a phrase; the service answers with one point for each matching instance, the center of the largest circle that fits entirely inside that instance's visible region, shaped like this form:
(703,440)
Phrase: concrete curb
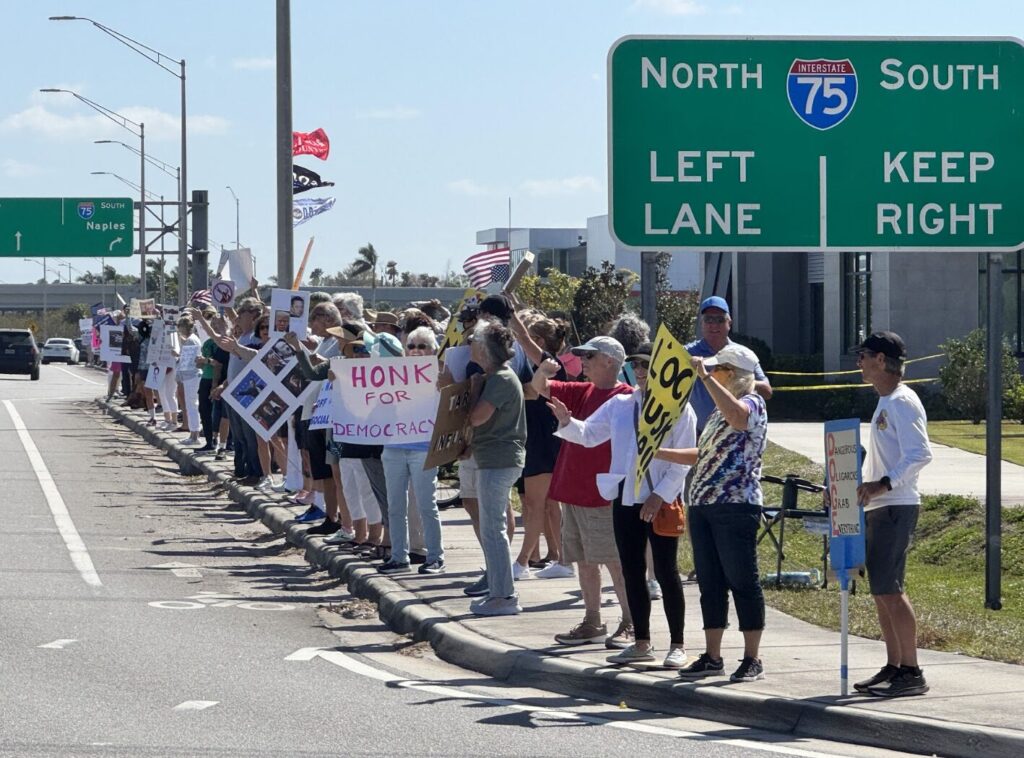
(405,613)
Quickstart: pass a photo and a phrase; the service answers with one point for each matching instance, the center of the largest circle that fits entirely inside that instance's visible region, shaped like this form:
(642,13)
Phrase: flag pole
(302,266)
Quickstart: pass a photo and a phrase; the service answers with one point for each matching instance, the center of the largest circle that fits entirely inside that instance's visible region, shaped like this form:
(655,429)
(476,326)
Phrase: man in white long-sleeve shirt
(898,451)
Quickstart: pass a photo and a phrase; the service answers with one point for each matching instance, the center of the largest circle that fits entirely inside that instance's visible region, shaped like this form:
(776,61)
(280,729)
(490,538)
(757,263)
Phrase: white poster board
(269,388)
(384,401)
(111,340)
(187,368)
(288,312)
(323,408)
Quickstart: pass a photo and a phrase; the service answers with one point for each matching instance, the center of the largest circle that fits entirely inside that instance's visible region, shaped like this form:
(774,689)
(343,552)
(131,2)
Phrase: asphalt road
(143,613)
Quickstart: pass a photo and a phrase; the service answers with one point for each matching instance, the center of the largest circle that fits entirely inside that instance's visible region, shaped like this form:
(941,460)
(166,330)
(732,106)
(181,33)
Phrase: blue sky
(438,111)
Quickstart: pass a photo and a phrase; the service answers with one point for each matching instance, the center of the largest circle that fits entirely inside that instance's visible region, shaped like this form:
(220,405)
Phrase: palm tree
(392,271)
(366,262)
(315,276)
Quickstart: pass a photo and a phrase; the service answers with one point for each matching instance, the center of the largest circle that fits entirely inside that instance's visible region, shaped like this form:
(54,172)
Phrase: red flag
(313,143)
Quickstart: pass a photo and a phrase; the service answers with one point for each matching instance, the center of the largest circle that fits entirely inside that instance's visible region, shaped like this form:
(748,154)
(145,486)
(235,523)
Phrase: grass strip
(971,437)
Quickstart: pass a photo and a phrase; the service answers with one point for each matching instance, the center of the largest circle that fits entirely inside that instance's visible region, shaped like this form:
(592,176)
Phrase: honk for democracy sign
(384,401)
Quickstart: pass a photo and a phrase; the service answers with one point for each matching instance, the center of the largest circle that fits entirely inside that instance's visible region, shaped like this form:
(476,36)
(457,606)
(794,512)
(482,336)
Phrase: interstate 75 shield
(822,92)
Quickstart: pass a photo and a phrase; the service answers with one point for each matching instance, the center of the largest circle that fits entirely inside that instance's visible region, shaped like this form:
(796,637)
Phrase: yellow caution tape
(843,386)
(840,373)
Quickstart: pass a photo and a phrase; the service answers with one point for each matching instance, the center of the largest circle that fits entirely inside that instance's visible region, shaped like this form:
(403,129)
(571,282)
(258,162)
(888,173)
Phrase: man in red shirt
(588,537)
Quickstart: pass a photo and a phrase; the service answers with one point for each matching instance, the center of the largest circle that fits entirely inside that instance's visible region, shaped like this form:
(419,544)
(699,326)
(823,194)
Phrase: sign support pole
(844,633)
(993,435)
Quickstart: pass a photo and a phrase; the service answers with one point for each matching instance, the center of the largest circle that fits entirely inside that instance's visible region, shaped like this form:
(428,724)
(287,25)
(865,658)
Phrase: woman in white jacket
(617,421)
(188,375)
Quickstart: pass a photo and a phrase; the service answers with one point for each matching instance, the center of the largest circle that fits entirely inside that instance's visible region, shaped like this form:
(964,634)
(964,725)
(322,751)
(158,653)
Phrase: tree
(964,376)
(366,263)
(600,298)
(677,310)
(315,277)
(392,272)
(554,292)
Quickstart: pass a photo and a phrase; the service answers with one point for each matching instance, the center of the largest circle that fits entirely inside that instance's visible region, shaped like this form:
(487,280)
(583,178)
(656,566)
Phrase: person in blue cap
(715,322)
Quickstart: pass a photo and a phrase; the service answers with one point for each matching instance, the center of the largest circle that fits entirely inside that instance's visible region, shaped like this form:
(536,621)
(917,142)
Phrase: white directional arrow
(110,247)
(57,644)
(17,241)
(181,570)
(340,659)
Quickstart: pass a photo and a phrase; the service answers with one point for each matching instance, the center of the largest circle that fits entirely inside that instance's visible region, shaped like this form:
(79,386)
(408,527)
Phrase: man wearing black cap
(898,451)
(715,322)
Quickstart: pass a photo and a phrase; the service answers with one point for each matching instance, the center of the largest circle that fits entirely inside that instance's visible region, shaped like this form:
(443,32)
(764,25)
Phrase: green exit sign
(816,144)
(66,226)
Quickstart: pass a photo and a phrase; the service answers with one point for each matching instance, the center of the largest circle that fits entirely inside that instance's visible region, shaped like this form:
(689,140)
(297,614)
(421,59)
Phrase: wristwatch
(887,482)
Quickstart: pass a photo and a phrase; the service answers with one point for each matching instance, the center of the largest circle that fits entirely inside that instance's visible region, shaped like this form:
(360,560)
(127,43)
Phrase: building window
(552,258)
(856,298)
(1013,318)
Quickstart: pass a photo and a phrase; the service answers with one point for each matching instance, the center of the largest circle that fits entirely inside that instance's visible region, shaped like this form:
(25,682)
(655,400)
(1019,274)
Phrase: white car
(60,349)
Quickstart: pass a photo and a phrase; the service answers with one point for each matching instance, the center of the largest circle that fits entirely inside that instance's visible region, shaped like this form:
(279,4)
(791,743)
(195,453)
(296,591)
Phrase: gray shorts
(889,531)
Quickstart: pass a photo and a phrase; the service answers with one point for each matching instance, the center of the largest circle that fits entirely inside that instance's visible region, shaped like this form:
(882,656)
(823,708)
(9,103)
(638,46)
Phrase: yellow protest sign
(453,336)
(669,381)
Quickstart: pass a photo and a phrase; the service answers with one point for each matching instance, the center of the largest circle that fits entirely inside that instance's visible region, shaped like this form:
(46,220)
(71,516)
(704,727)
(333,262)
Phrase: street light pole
(155,56)
(30,260)
(238,234)
(285,235)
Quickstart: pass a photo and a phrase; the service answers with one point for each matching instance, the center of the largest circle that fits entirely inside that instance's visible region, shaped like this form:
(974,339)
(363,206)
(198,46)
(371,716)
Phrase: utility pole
(285,235)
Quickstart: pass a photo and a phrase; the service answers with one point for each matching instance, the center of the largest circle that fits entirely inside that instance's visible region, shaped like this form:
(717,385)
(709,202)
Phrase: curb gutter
(405,613)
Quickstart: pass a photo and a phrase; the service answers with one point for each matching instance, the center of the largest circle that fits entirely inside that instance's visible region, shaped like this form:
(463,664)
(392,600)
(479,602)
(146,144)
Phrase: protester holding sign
(403,465)
(634,514)
(724,511)
(899,450)
(499,450)
(187,374)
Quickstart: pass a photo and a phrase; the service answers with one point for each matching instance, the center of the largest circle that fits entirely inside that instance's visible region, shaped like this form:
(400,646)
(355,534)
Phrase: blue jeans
(493,486)
(400,468)
(724,537)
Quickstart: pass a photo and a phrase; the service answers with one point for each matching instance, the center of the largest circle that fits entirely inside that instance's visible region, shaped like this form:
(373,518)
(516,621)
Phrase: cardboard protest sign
(509,290)
(269,389)
(222,292)
(85,330)
(288,312)
(111,342)
(139,308)
(453,336)
(669,381)
(384,401)
(320,417)
(451,425)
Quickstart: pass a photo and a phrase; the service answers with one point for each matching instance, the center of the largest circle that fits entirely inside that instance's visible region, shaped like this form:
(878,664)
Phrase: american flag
(203,297)
(488,266)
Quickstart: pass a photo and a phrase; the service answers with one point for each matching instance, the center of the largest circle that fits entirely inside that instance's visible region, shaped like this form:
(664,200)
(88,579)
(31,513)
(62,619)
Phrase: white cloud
(160,125)
(468,187)
(397,113)
(18,170)
(253,64)
(569,186)
(671,7)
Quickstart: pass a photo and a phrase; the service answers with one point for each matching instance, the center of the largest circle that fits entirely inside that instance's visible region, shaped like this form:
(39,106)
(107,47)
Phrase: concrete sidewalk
(976,707)
(952,471)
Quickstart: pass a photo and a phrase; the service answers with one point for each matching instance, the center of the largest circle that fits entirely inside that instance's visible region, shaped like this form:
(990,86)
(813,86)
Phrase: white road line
(195,705)
(357,667)
(76,547)
(57,644)
(77,376)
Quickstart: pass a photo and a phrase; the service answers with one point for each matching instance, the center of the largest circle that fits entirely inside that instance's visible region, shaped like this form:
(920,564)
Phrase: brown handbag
(670,520)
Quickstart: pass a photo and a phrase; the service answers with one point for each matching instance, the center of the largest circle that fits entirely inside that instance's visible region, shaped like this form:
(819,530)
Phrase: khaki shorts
(467,478)
(588,535)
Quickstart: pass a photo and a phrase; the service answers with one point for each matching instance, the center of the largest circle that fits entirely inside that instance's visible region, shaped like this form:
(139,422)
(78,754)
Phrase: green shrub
(964,376)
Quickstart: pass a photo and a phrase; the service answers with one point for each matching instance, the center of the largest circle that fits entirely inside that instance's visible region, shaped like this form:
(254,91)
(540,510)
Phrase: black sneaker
(324,528)
(477,588)
(750,670)
(704,666)
(906,681)
(220,454)
(393,567)
(434,567)
(416,559)
(887,672)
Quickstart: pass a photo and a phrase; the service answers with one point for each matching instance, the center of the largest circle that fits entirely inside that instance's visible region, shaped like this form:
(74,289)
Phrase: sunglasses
(588,355)
(411,346)
(720,367)
(712,319)
(640,364)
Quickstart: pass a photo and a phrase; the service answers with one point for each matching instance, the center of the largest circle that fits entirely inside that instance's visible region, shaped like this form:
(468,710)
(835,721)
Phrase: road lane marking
(356,667)
(57,644)
(180,570)
(76,547)
(72,373)
(195,705)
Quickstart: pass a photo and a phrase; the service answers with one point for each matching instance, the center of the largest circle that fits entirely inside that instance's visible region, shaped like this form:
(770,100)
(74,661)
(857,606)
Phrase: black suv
(19,353)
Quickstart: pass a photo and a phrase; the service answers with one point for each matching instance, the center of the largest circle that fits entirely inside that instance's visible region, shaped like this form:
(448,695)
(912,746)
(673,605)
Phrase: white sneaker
(341,536)
(653,589)
(265,484)
(675,659)
(521,572)
(279,486)
(555,571)
(189,442)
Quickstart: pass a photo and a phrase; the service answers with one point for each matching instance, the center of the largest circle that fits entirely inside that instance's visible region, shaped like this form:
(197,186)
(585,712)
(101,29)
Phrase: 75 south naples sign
(99,227)
(816,144)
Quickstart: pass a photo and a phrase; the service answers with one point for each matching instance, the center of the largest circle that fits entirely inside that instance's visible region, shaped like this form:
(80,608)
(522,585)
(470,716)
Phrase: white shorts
(359,497)
(467,478)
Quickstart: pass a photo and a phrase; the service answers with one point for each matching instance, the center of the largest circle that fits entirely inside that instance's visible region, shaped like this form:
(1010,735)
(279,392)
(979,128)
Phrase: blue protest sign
(846,517)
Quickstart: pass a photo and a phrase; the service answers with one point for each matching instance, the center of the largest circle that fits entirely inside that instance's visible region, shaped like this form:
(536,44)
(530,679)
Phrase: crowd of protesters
(554,420)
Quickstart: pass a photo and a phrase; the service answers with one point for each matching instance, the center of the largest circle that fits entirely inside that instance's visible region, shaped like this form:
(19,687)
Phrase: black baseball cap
(888,344)
(469,313)
(498,306)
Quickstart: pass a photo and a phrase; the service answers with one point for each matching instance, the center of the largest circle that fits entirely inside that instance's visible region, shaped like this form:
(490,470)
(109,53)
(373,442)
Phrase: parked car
(19,353)
(60,349)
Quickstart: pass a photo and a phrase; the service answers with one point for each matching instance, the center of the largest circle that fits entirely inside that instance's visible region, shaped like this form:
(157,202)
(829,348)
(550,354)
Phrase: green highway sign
(800,144)
(66,226)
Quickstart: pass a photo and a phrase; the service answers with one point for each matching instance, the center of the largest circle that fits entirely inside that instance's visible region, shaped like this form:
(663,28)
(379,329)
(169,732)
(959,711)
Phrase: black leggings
(206,410)
(631,537)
